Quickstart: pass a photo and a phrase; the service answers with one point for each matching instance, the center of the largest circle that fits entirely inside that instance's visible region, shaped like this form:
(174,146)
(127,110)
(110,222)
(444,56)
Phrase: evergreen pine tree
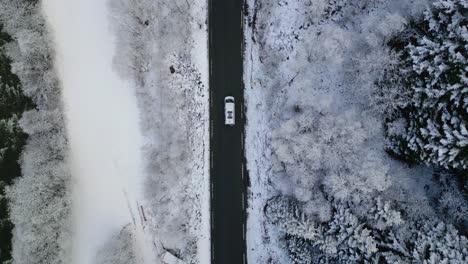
(436,73)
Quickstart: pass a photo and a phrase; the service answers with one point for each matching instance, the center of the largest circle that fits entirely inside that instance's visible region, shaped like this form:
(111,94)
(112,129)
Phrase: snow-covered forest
(162,49)
(356,135)
(431,74)
(12,104)
(347,161)
(39,204)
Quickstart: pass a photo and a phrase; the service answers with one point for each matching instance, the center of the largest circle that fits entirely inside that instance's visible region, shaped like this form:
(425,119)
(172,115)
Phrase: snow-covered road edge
(253,146)
(254,193)
(256,151)
(201,61)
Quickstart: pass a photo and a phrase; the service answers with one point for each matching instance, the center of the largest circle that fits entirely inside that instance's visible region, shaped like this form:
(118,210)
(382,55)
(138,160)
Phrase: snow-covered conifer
(347,238)
(436,242)
(435,72)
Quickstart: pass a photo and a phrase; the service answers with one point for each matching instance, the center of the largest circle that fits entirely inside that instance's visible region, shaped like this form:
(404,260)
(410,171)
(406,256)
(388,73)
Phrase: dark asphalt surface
(227,154)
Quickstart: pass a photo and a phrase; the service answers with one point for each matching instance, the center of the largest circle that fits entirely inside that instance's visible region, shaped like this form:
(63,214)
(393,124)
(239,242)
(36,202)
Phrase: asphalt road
(228,180)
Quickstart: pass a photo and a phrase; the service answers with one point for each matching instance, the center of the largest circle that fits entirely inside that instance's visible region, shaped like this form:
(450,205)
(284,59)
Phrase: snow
(163,50)
(103,126)
(168,258)
(200,58)
(312,130)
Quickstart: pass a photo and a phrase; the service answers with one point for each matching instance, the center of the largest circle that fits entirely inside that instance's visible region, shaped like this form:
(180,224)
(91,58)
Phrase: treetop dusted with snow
(434,68)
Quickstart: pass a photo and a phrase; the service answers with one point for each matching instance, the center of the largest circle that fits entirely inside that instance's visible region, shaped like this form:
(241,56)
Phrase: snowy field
(315,138)
(103,126)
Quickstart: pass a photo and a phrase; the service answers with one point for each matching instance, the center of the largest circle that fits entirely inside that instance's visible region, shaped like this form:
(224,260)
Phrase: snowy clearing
(103,126)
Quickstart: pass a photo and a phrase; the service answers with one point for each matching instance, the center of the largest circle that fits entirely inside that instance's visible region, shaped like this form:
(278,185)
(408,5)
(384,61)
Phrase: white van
(229,111)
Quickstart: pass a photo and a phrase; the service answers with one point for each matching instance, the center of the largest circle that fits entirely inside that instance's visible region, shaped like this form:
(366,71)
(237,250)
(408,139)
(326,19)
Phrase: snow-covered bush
(39,200)
(300,250)
(286,214)
(433,68)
